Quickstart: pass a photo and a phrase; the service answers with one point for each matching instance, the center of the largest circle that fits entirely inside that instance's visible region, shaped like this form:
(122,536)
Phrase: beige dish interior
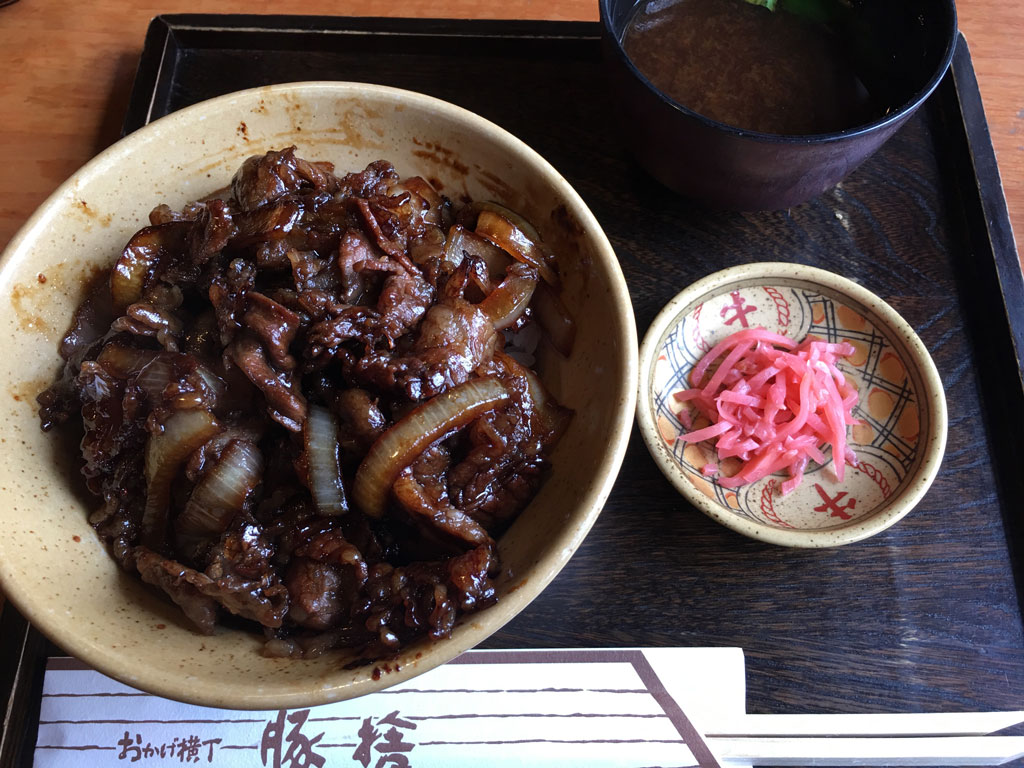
(52,565)
(900,338)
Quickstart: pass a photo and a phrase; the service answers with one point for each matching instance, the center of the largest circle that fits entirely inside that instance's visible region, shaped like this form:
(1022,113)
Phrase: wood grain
(906,618)
(924,616)
(67,71)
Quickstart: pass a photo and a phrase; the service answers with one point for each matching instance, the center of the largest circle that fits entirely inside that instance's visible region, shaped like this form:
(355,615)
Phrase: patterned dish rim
(933,441)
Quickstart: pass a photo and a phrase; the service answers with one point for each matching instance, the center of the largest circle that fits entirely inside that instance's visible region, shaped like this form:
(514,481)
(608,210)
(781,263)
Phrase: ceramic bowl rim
(485,623)
(933,447)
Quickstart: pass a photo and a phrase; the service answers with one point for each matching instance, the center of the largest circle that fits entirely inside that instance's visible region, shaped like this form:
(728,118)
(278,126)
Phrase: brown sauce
(747,67)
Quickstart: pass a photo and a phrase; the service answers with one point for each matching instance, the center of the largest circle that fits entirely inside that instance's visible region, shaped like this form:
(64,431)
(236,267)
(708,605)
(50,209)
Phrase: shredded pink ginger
(773,404)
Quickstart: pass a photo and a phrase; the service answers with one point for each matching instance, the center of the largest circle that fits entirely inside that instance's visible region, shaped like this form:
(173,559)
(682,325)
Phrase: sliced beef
(193,365)
(242,578)
(152,321)
(501,471)
(373,180)
(227,294)
(181,584)
(274,325)
(436,515)
(354,250)
(360,422)
(455,338)
(424,597)
(285,402)
(324,580)
(262,179)
(404,300)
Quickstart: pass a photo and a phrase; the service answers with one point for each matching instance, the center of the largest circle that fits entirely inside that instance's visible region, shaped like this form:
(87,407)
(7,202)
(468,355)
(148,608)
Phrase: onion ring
(183,433)
(400,445)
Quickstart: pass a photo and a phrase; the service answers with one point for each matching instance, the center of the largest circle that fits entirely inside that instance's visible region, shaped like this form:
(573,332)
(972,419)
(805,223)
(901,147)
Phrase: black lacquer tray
(924,617)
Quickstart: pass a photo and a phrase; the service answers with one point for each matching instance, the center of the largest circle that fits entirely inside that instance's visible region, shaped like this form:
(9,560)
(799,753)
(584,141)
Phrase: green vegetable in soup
(818,11)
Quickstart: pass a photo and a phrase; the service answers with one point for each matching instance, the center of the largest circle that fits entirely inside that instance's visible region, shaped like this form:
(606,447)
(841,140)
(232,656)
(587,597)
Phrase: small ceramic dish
(902,408)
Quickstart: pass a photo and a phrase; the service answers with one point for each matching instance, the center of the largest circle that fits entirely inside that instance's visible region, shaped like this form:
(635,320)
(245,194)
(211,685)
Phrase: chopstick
(909,724)
(930,750)
(933,739)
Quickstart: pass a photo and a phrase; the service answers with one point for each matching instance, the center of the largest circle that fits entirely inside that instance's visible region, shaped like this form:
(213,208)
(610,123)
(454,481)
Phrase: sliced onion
(320,434)
(478,277)
(155,371)
(453,248)
(502,232)
(474,209)
(428,247)
(214,383)
(155,376)
(509,300)
(463,242)
(183,432)
(496,259)
(420,186)
(123,361)
(140,257)
(222,491)
(400,445)
(555,319)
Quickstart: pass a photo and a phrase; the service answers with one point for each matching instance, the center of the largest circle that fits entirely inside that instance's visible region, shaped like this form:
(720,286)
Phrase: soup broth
(748,67)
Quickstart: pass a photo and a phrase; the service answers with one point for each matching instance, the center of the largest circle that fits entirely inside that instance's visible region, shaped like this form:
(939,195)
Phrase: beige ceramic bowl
(901,405)
(54,568)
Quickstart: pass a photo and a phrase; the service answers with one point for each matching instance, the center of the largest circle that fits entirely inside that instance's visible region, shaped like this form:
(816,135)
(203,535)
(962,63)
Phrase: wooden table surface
(67,72)
(941,627)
